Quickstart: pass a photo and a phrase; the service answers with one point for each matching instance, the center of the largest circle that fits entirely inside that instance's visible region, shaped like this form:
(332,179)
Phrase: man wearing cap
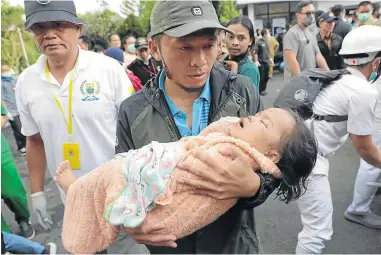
(329,43)
(188,94)
(68,100)
(144,66)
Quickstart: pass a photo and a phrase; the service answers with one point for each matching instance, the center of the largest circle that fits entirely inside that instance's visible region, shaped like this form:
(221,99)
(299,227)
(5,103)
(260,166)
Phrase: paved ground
(277,223)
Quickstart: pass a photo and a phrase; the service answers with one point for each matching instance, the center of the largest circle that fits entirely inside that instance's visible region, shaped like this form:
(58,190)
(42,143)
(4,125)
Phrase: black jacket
(144,72)
(334,60)
(342,28)
(145,117)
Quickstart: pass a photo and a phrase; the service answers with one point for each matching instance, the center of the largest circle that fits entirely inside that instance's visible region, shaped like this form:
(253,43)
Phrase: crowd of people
(154,101)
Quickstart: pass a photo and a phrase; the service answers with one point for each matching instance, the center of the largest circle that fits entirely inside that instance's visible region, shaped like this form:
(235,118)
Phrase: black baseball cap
(327,17)
(39,11)
(181,18)
(141,43)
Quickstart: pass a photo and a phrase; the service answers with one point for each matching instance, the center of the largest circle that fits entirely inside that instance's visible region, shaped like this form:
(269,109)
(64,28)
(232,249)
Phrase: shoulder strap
(330,118)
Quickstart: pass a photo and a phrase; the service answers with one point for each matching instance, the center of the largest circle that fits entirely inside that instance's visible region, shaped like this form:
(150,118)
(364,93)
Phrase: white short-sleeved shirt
(100,86)
(351,95)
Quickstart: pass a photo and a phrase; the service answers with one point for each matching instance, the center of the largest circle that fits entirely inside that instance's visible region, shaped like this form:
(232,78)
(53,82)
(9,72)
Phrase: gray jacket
(145,117)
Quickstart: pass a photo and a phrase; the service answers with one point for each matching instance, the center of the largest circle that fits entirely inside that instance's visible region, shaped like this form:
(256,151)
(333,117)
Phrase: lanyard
(69,121)
(148,71)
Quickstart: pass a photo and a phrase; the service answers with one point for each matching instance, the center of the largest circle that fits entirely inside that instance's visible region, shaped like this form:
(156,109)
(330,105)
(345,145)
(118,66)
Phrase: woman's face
(239,42)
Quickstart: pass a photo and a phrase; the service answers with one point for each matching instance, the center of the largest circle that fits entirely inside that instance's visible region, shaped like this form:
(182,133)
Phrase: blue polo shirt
(201,107)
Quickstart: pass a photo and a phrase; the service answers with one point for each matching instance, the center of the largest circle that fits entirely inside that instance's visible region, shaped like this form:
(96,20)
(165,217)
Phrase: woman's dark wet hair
(244,21)
(298,157)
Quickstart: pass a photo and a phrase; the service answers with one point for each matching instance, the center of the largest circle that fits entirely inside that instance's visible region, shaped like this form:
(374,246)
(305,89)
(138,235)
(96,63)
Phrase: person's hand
(272,62)
(143,235)
(231,65)
(39,208)
(222,180)
(257,63)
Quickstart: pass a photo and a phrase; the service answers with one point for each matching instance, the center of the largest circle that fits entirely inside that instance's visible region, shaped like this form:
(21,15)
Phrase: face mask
(148,58)
(309,20)
(375,75)
(7,74)
(363,17)
(223,38)
(131,48)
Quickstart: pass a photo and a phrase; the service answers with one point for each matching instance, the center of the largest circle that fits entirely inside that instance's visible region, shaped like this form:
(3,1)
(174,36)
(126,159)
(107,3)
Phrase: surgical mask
(7,74)
(131,47)
(148,58)
(364,17)
(309,20)
(373,76)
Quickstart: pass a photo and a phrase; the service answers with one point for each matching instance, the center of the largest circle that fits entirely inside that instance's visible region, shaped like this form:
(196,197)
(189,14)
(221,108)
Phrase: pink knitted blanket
(85,229)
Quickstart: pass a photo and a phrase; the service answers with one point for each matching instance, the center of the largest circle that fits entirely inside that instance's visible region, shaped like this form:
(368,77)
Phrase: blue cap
(115,53)
(327,17)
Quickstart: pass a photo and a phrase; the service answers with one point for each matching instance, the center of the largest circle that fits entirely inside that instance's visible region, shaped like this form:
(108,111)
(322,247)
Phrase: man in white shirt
(68,100)
(359,210)
(352,96)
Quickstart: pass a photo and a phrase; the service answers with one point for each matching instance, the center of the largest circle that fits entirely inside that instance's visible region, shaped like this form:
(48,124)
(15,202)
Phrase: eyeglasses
(308,13)
(59,26)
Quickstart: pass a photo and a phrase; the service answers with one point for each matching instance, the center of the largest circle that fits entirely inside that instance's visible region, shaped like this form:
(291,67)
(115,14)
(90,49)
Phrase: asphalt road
(277,223)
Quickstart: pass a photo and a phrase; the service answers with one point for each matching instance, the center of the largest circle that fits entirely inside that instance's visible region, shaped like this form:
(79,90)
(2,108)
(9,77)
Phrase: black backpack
(301,91)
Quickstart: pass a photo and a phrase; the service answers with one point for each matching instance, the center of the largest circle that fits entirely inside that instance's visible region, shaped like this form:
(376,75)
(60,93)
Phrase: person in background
(351,100)
(301,51)
(12,189)
(114,41)
(68,100)
(329,42)
(364,13)
(314,27)
(85,42)
(144,66)
(342,28)
(239,45)
(273,48)
(376,10)
(8,86)
(262,50)
(129,49)
(222,50)
(118,55)
(15,244)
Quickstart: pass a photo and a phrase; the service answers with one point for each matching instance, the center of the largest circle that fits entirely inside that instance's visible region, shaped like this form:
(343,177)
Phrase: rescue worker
(349,103)
(68,100)
(144,66)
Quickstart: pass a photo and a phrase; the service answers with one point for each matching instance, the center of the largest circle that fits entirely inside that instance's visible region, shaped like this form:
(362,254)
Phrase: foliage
(101,23)
(227,11)
(11,50)
(129,7)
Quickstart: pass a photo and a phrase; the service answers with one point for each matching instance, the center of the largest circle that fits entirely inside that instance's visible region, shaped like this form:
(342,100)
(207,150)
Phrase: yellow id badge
(71,153)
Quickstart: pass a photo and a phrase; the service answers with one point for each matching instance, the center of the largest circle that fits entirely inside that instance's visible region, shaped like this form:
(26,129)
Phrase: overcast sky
(83,6)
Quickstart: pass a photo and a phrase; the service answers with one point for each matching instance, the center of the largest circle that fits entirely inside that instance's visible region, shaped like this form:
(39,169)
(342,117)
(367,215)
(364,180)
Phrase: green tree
(227,11)
(145,10)
(101,23)
(11,50)
(129,7)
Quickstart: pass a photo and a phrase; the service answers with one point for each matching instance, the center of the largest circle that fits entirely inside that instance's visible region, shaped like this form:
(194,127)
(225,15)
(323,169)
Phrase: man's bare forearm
(320,61)
(36,160)
(290,58)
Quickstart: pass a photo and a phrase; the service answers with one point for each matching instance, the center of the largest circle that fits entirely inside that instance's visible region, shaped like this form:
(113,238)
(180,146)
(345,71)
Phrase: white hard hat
(364,39)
